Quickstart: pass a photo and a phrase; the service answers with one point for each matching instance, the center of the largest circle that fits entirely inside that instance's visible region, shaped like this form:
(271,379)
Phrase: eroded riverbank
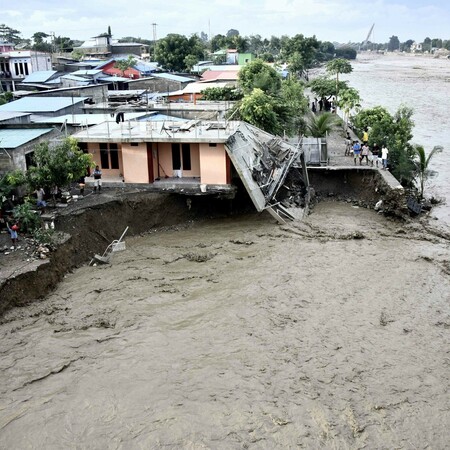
(240,333)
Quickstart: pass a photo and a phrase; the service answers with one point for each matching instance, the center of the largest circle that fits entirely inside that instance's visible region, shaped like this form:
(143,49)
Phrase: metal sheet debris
(272,171)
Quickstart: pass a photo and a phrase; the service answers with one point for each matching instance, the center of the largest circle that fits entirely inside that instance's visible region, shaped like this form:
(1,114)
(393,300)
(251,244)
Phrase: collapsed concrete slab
(272,171)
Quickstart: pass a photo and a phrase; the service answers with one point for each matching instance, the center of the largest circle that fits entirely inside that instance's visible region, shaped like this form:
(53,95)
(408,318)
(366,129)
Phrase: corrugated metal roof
(172,77)
(113,78)
(75,78)
(41,104)
(6,115)
(13,138)
(39,77)
(87,72)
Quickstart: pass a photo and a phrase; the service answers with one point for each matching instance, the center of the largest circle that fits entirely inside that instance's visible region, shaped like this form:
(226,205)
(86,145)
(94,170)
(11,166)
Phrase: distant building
(16,65)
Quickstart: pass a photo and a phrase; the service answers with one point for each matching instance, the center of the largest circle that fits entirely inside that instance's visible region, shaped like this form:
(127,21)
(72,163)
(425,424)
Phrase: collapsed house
(202,158)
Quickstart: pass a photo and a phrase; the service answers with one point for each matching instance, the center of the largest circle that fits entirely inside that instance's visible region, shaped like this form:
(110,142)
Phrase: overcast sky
(334,20)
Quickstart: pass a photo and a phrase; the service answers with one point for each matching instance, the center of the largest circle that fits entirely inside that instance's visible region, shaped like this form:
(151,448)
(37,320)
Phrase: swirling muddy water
(240,333)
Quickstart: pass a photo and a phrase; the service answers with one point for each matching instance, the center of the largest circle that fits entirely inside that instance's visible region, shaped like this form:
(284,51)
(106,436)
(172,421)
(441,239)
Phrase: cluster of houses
(144,126)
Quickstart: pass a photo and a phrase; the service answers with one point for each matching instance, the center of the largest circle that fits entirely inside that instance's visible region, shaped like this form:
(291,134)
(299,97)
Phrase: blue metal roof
(172,77)
(39,77)
(113,78)
(13,138)
(41,104)
(87,72)
(75,78)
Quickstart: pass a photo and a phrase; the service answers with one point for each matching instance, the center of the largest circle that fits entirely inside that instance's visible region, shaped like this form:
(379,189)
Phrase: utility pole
(154,25)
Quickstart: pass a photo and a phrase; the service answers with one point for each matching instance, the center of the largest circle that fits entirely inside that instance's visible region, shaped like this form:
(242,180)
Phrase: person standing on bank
(384,156)
(356,152)
(97,179)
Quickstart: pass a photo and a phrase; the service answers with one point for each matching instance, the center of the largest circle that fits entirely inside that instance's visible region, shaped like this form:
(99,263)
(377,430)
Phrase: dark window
(212,144)
(104,158)
(186,151)
(26,69)
(114,155)
(134,144)
(176,160)
(29,159)
(83,147)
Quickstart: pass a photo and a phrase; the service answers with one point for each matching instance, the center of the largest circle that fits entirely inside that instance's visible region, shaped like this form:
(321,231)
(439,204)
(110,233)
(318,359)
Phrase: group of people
(361,152)
(323,104)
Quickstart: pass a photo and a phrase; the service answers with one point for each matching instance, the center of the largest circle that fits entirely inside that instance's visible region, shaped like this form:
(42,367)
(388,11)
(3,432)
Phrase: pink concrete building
(183,154)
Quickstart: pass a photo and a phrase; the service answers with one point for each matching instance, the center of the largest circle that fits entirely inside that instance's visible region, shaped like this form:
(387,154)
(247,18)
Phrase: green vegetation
(395,131)
(172,52)
(222,94)
(58,165)
(269,103)
(322,124)
(27,216)
(124,64)
(258,74)
(421,163)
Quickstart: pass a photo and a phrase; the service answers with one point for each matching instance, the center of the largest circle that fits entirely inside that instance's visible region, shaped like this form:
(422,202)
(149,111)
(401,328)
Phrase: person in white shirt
(384,156)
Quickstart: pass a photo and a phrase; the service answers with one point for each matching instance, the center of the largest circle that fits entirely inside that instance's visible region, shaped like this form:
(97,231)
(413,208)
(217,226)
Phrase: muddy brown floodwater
(239,333)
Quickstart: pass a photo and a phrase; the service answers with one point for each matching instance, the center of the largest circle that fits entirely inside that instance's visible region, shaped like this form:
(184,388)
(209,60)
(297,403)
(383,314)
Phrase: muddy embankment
(362,185)
(88,228)
(92,224)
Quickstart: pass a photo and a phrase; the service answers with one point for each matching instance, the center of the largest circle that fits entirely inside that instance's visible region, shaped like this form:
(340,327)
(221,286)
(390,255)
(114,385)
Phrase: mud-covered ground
(239,333)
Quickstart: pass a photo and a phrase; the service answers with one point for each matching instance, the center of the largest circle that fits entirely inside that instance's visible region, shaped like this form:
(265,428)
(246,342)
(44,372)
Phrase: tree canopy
(394,131)
(258,74)
(171,51)
(57,165)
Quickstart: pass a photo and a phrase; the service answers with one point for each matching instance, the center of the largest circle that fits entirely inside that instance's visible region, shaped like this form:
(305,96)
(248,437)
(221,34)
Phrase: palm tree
(421,165)
(321,125)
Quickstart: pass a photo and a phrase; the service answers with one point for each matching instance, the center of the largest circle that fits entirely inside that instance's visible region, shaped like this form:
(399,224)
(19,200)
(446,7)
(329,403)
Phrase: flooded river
(239,333)
(422,83)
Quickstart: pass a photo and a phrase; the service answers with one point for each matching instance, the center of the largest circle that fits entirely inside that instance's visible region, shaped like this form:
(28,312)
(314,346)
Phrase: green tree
(172,51)
(259,109)
(6,97)
(426,45)
(124,64)
(222,94)
(395,131)
(322,124)
(346,52)
(8,182)
(293,107)
(9,34)
(77,54)
(325,87)
(337,66)
(421,164)
(348,100)
(257,74)
(232,32)
(218,42)
(58,165)
(306,49)
(63,44)
(39,44)
(394,44)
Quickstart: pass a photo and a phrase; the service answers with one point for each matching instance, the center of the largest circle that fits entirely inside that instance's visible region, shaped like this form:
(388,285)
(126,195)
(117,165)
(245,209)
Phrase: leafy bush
(28,218)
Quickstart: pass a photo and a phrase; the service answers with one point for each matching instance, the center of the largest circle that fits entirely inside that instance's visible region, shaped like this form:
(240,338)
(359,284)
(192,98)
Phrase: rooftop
(13,138)
(172,77)
(41,104)
(190,131)
(39,77)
